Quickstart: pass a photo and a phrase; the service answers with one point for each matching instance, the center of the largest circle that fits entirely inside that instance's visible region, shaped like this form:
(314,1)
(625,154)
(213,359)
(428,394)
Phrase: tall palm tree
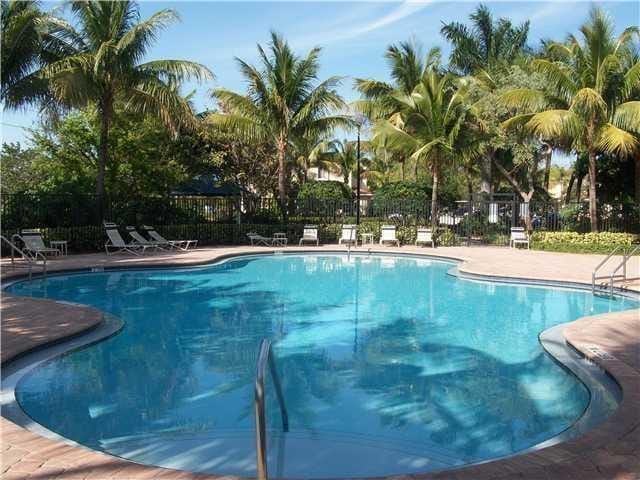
(105,70)
(589,97)
(342,157)
(429,126)
(29,42)
(482,49)
(485,45)
(407,67)
(284,101)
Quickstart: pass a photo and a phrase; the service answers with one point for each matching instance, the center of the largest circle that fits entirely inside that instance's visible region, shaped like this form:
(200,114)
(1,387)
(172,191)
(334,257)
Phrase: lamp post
(358,177)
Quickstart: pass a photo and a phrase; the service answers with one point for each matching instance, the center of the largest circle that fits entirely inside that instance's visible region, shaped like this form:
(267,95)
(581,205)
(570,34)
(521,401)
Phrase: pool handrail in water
(265,356)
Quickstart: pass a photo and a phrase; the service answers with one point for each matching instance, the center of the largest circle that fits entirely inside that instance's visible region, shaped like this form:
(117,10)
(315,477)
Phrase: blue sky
(353,35)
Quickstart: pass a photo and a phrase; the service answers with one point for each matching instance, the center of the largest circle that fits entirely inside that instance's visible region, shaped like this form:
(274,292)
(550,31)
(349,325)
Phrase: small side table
(280,239)
(366,239)
(60,245)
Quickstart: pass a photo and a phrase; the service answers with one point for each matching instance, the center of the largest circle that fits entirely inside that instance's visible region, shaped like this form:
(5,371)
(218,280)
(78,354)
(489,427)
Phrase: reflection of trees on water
(186,360)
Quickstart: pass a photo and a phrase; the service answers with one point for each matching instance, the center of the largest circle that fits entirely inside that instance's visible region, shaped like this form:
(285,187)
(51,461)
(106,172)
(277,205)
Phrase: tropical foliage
(284,102)
(589,100)
(485,121)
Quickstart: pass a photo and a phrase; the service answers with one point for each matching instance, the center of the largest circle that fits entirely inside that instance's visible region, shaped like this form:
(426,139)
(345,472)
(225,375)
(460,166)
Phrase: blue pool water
(388,365)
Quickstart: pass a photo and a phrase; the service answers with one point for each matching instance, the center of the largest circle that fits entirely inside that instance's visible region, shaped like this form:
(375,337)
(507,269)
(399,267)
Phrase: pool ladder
(614,274)
(31,258)
(265,357)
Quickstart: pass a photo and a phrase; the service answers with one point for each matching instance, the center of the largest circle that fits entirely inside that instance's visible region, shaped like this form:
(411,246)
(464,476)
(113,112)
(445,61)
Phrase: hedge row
(573,242)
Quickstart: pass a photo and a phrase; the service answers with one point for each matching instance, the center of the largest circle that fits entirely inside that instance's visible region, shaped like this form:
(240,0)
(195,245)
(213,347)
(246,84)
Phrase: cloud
(352,29)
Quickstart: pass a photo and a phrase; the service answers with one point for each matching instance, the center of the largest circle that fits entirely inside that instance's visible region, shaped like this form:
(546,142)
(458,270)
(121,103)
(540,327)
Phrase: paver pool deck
(611,451)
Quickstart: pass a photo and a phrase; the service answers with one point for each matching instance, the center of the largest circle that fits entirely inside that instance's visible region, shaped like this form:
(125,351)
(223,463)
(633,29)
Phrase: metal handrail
(266,357)
(30,259)
(623,265)
(599,266)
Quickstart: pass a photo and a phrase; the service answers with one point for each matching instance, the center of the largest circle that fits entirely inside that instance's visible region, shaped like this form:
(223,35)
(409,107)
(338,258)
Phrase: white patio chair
(388,234)
(348,235)
(183,245)
(310,234)
(34,244)
(519,237)
(115,242)
(425,236)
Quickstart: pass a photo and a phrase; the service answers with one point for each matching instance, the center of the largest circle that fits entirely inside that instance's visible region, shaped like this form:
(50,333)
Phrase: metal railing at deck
(266,357)
(611,277)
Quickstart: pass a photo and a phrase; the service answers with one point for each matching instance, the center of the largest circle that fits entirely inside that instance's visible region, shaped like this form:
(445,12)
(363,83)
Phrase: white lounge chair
(310,234)
(140,240)
(34,244)
(256,239)
(519,237)
(388,234)
(348,235)
(115,242)
(183,245)
(424,236)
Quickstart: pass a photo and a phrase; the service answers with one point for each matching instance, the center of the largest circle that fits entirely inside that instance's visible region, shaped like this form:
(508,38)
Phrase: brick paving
(608,452)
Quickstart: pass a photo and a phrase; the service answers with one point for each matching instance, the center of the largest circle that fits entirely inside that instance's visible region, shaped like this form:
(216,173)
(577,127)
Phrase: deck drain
(599,352)
(97,269)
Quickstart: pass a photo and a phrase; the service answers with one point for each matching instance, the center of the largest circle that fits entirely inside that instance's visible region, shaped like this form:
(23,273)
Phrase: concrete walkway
(611,451)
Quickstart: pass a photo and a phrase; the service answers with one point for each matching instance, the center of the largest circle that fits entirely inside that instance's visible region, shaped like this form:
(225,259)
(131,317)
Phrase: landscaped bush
(573,242)
(324,190)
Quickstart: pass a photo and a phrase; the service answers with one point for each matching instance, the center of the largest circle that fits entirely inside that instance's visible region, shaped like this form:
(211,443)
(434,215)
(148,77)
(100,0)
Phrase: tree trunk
(637,178)
(282,174)
(106,111)
(567,195)
(415,171)
(434,195)
(547,165)
(402,169)
(579,188)
(485,174)
(593,212)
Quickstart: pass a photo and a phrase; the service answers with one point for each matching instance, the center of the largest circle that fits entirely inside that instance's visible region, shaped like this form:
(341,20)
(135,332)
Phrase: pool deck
(609,452)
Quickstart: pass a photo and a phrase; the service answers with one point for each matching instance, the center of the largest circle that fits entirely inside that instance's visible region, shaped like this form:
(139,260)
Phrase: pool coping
(509,465)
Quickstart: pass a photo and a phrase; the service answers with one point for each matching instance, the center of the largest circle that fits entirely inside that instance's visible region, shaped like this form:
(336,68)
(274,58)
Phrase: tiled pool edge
(563,459)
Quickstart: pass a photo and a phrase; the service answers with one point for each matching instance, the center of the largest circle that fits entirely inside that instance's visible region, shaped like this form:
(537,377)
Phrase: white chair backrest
(388,232)
(348,232)
(33,240)
(424,235)
(136,236)
(154,234)
(114,235)
(518,233)
(310,231)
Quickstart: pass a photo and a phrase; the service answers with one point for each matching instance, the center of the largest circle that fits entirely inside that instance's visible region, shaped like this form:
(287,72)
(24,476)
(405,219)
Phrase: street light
(360,121)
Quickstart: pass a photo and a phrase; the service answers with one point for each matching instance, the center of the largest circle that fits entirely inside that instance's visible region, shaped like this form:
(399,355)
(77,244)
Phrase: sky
(353,35)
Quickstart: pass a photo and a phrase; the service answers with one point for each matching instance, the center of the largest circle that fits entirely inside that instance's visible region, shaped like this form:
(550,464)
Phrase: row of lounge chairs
(348,236)
(139,244)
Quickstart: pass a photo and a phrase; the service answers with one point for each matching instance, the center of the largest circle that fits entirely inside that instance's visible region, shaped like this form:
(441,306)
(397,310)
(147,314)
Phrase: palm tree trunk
(593,213)
(637,178)
(485,173)
(106,112)
(434,194)
(547,168)
(282,174)
(579,188)
(567,195)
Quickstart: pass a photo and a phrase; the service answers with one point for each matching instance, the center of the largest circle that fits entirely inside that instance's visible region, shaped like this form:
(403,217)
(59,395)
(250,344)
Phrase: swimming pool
(388,364)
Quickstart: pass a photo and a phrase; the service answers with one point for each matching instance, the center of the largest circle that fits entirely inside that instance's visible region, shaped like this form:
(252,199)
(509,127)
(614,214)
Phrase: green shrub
(324,190)
(574,242)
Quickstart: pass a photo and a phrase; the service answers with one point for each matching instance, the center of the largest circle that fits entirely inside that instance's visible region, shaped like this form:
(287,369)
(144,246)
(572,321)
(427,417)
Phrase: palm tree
(486,45)
(284,101)
(342,157)
(483,49)
(104,70)
(588,98)
(429,125)
(28,44)
(407,67)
